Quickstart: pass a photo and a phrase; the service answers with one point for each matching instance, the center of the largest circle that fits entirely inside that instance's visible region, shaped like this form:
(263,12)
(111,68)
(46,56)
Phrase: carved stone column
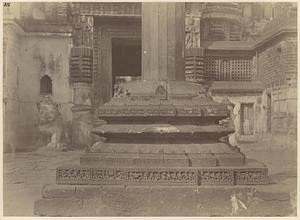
(81,69)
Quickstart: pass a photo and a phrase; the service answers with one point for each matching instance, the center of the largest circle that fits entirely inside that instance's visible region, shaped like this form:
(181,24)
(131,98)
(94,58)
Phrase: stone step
(172,132)
(156,160)
(162,155)
(59,200)
(163,148)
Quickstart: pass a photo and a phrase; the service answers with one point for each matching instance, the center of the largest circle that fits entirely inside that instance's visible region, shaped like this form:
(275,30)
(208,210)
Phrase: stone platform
(164,134)
(124,200)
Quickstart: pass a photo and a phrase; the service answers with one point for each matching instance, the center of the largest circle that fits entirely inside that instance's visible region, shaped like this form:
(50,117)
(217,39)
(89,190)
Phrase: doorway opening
(126,60)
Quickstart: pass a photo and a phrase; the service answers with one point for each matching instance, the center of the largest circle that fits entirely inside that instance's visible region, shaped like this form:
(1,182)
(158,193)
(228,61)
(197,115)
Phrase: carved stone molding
(108,8)
(161,176)
(81,64)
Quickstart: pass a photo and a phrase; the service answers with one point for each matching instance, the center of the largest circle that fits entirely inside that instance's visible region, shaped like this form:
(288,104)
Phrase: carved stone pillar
(194,60)
(81,69)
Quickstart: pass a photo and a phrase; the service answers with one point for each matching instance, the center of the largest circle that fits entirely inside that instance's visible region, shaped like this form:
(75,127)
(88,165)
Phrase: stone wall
(29,56)
(11,73)
(277,69)
(258,100)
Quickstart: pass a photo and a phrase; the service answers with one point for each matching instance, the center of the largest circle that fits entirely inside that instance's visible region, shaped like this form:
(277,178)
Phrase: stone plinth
(156,201)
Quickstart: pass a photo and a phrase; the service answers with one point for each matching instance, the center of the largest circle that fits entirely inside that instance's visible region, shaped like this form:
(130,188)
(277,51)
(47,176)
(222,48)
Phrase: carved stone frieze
(161,110)
(108,8)
(217,176)
(172,176)
(107,174)
(251,176)
(161,176)
(115,111)
(73,173)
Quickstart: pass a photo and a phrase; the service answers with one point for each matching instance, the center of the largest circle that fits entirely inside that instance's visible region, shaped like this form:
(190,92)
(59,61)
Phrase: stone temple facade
(80,54)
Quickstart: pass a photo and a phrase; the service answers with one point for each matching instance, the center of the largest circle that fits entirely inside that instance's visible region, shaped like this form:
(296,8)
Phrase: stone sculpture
(192,29)
(50,122)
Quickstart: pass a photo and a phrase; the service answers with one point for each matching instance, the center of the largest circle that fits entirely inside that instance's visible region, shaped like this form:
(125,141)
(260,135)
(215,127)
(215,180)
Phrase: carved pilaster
(194,61)
(81,77)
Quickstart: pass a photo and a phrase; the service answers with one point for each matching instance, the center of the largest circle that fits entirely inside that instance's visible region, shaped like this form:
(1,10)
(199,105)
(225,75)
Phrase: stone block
(175,161)
(55,191)
(250,175)
(203,161)
(88,192)
(58,207)
(230,159)
(148,161)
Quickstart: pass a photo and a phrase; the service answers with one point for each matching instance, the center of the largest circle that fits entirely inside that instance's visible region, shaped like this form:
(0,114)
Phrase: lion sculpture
(50,122)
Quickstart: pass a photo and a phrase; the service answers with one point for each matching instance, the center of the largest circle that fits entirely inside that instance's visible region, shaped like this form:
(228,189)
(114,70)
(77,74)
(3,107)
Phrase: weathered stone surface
(87,192)
(230,159)
(155,201)
(159,131)
(58,207)
(159,148)
(161,155)
(51,123)
(55,191)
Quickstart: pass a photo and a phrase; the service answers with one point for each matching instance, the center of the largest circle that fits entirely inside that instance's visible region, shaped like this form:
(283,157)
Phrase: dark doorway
(126,59)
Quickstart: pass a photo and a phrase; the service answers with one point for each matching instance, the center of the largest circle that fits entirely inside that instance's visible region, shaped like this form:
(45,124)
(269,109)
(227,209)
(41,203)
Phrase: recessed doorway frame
(103,35)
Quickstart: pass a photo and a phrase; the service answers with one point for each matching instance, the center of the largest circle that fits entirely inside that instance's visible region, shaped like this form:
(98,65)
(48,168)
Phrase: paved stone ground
(26,173)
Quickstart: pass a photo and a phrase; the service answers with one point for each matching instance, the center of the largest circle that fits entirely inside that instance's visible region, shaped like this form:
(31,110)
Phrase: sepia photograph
(149,109)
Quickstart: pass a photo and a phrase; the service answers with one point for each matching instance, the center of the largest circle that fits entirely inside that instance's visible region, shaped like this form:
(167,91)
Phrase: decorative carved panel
(161,176)
(251,176)
(108,8)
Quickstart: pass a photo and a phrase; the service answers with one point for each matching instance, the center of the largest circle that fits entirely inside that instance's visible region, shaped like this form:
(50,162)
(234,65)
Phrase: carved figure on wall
(83,31)
(229,121)
(192,30)
(51,123)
